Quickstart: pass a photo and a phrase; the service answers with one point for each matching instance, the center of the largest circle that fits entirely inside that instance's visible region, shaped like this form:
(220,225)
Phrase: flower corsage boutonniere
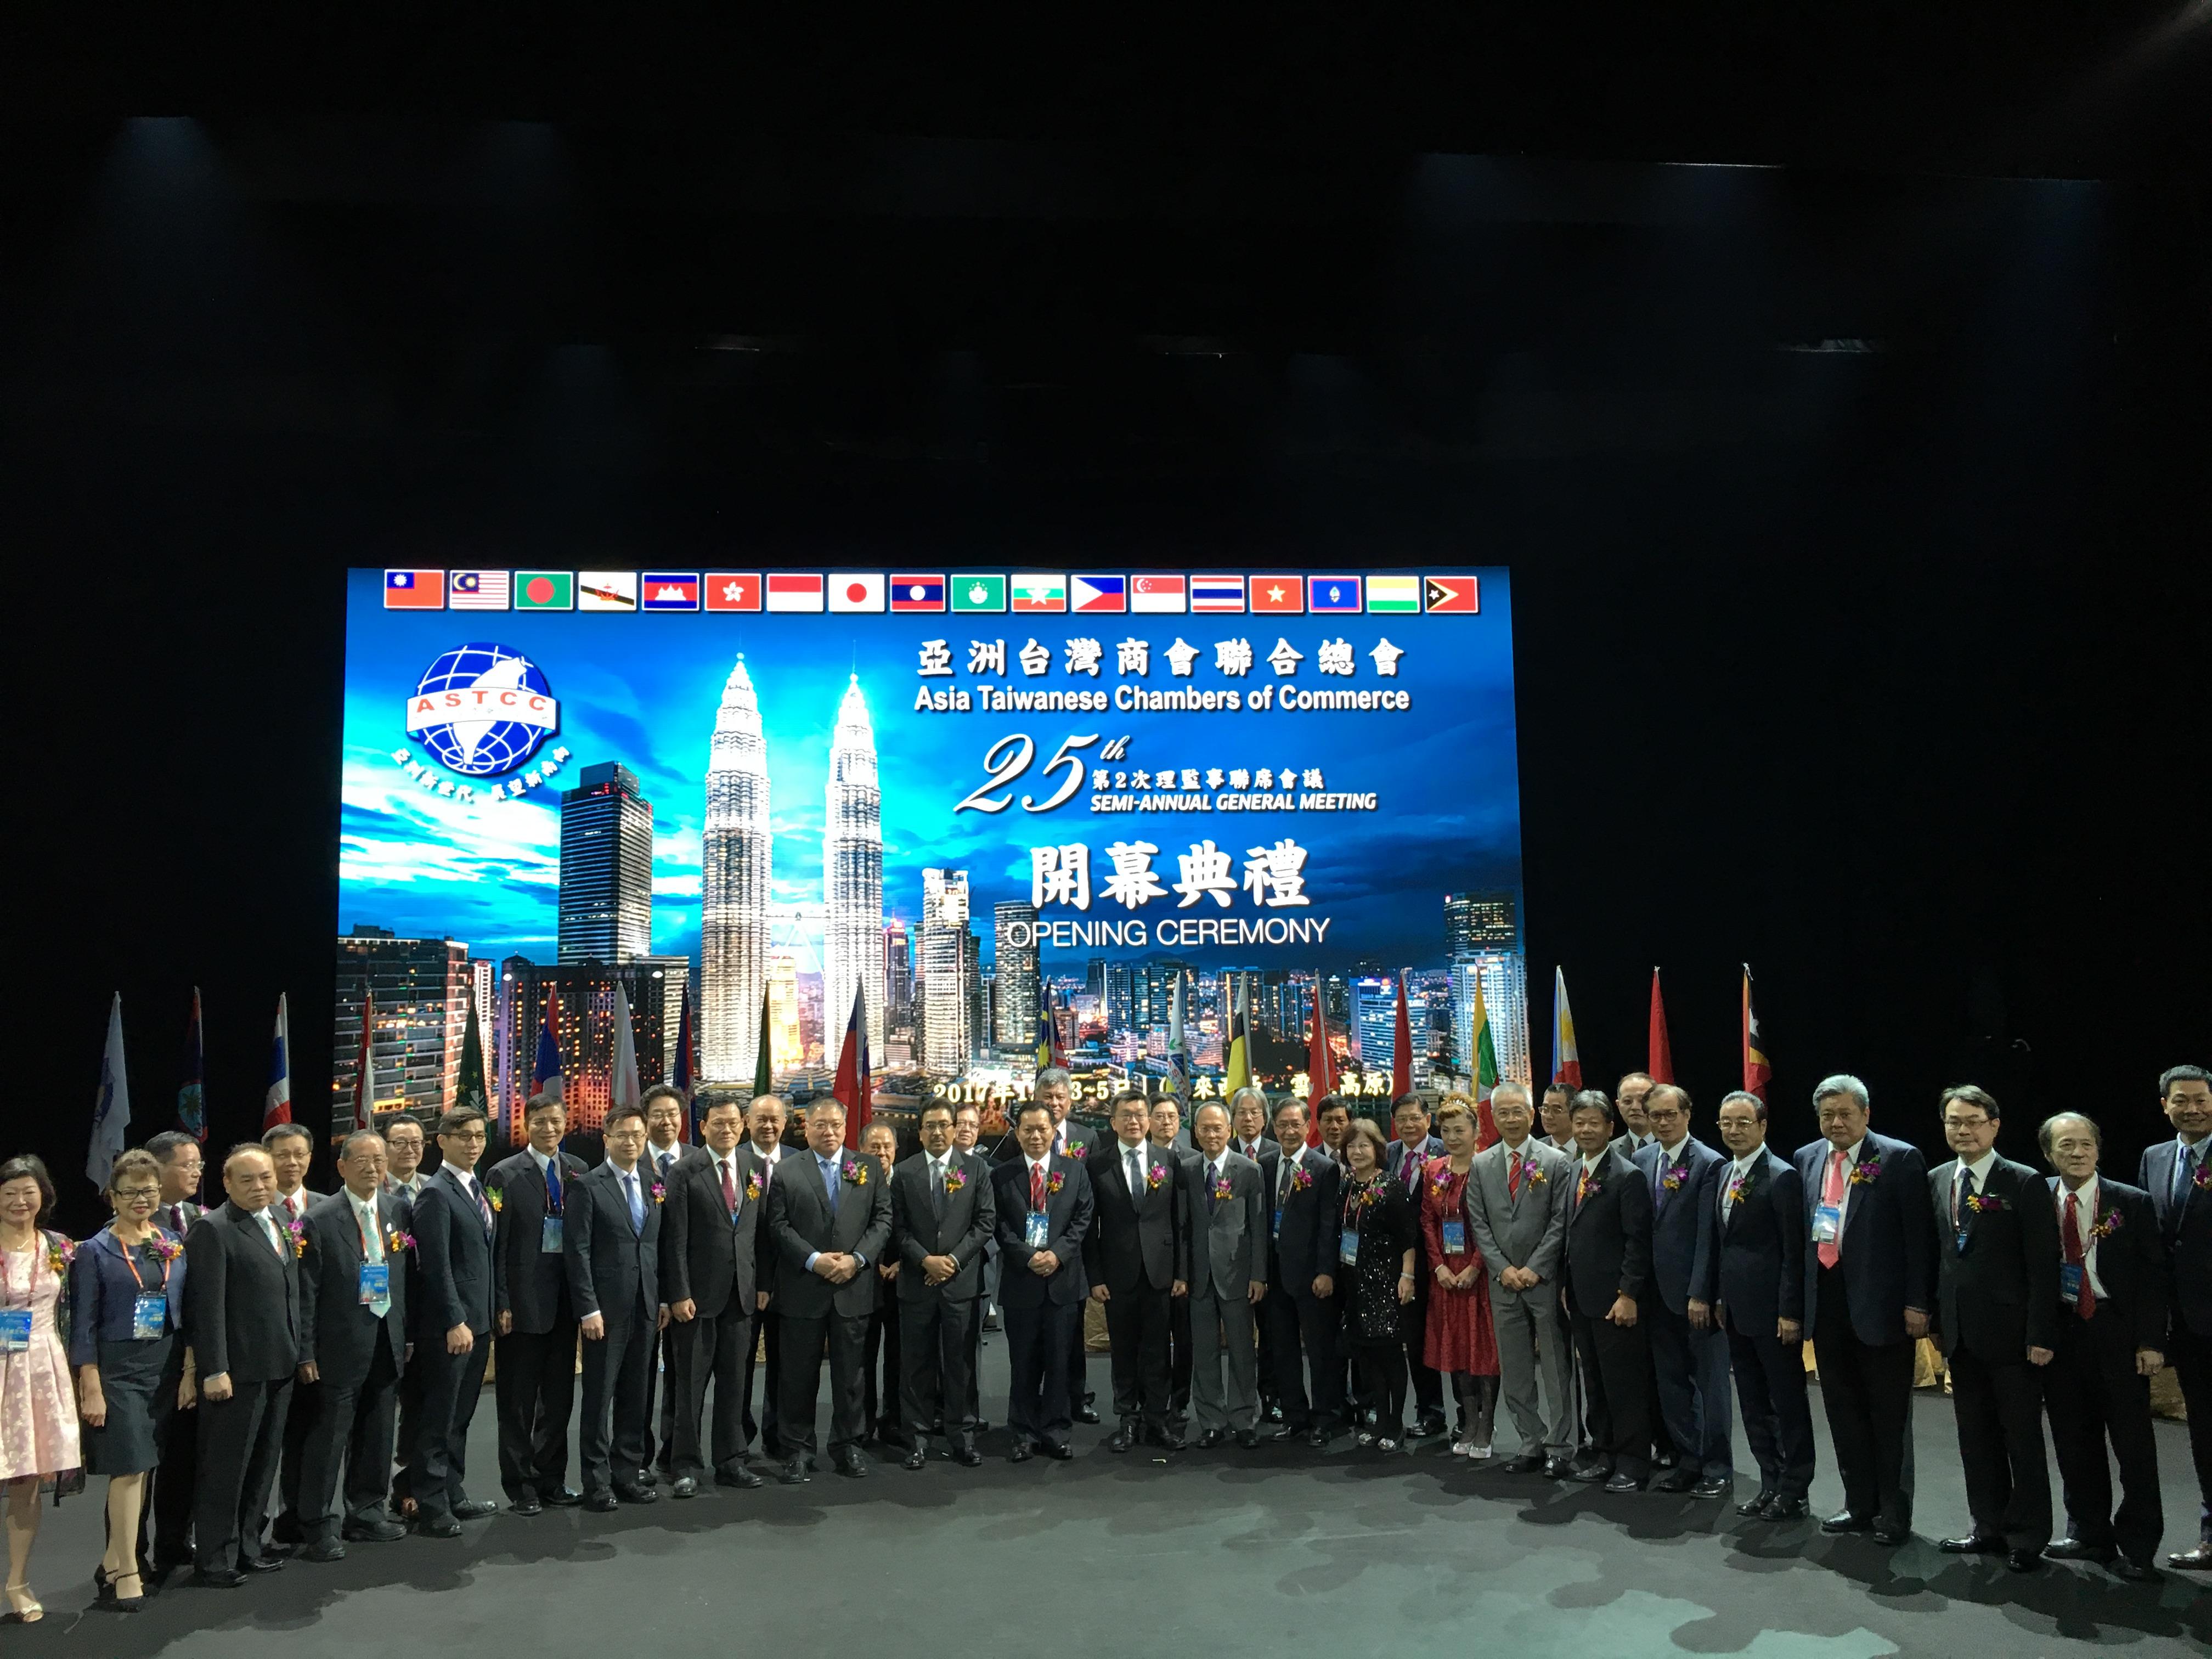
(396,1243)
(1736,1184)
(1981,1201)
(496,1198)
(2107,1227)
(752,1187)
(955,1179)
(2202,1179)
(1301,1178)
(1441,1180)
(1866,1170)
(1054,1182)
(1671,1180)
(660,1192)
(164,1249)
(1221,1187)
(1075,1149)
(855,1173)
(298,1230)
(1532,1170)
(60,1252)
(1156,1176)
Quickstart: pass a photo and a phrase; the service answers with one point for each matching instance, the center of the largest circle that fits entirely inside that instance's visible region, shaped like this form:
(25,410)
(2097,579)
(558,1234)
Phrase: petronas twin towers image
(737,861)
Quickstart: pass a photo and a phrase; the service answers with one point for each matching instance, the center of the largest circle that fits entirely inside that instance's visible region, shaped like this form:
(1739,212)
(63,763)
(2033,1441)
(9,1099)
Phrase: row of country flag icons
(1082,594)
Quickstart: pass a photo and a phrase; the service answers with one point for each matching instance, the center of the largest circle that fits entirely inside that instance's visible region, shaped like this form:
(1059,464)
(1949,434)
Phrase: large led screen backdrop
(1117,812)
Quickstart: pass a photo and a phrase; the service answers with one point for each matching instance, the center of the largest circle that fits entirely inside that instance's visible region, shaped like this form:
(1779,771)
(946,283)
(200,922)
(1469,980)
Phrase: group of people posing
(286,1373)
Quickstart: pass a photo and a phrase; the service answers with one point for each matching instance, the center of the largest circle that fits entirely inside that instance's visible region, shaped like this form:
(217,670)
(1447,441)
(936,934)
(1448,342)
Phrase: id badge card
(1827,1224)
(1959,1242)
(149,1315)
(1279,1221)
(1455,1238)
(2069,1281)
(14,1330)
(1037,1231)
(1347,1246)
(549,1236)
(375,1282)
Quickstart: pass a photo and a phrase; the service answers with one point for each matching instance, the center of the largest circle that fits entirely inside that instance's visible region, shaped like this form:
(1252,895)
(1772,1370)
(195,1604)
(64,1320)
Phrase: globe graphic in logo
(479,747)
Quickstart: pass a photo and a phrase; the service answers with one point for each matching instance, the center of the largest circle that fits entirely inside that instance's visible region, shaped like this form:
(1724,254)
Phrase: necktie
(483,1209)
(662,1161)
(829,1182)
(1212,1179)
(1582,1186)
(1513,1174)
(292,1207)
(1409,1166)
(276,1234)
(1961,1191)
(729,1186)
(1136,1178)
(2185,1175)
(636,1203)
(937,1189)
(176,1218)
(2085,1301)
(1037,1187)
(1832,1196)
(1283,1186)
(372,1252)
(553,1185)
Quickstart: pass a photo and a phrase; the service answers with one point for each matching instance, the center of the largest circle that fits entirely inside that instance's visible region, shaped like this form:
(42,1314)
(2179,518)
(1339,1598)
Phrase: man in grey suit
(1228,1280)
(1518,1196)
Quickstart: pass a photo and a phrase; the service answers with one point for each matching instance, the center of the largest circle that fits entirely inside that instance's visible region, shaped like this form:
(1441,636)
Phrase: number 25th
(1008,758)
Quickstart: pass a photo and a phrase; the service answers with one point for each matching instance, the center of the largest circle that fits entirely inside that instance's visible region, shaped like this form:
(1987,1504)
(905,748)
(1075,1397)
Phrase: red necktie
(729,1188)
(1036,1186)
(292,1207)
(1513,1174)
(1831,1195)
(2085,1303)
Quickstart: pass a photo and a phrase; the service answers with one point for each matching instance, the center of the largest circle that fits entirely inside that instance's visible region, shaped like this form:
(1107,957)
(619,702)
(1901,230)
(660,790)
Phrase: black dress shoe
(376,1532)
(1844,1521)
(1317,1436)
(2023,1561)
(1757,1501)
(1527,1463)
(1973,1543)
(687,1487)
(643,1492)
(1624,1483)
(525,1506)
(1674,1480)
(2135,1573)
(2073,1549)
(1590,1474)
(1022,1453)
(1059,1450)
(1120,1440)
(260,1564)
(602,1503)
(1248,1438)
(793,1472)
(916,1459)
(1288,1432)
(851,1464)
(218,1578)
(740,1477)
(1665,1460)
(475,1510)
(1166,1438)
(967,1456)
(563,1498)
(1086,1414)
(1785,1509)
(329,1549)
(446,1528)
(1556,1469)
(1891,1532)
(1210,1439)
(1713,1487)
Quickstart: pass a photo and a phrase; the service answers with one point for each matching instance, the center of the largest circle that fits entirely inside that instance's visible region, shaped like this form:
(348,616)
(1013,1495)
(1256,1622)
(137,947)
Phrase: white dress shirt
(1979,1169)
(1739,1170)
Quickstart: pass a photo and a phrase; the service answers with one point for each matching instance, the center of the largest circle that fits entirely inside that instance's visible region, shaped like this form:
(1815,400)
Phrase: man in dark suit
(830,1215)
(880,1370)
(1301,1305)
(1633,1090)
(1555,1115)
(759,1158)
(2178,1175)
(1996,1292)
(352,1347)
(453,1226)
(1042,1202)
(1758,1293)
(709,1278)
(242,1323)
(1410,1153)
(405,1146)
(610,1248)
(535,1388)
(1607,1274)
(1870,1283)
(1227,1200)
(292,1150)
(1251,1136)
(942,1214)
(1168,1131)
(2112,1300)
(665,1110)
(1136,1257)
(1690,1356)
(1056,1092)
(169,1518)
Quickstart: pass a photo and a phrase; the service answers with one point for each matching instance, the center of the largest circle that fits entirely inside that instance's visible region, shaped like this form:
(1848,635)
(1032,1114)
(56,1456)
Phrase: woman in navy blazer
(126,1297)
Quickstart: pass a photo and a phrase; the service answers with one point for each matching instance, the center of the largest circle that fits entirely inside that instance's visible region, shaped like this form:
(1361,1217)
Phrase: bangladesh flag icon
(545,590)
(979,592)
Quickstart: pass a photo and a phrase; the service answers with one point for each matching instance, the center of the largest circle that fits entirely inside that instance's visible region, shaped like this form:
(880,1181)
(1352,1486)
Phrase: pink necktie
(1513,1174)
(1831,1195)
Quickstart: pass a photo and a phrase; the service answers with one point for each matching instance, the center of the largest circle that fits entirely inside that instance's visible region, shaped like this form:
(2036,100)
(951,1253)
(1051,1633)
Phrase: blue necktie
(2184,1172)
(637,1204)
(553,1185)
(830,1182)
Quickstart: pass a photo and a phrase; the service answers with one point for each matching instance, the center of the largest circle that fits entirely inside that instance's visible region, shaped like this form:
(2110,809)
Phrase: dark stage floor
(1278,1551)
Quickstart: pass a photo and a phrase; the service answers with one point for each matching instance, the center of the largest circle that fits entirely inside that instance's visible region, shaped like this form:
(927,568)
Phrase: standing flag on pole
(1401,1046)
(854,1086)
(686,1074)
(1177,1081)
(545,1069)
(468,1084)
(1049,1051)
(1566,1059)
(626,1087)
(192,1098)
(1237,1073)
(277,1104)
(1661,1064)
(1321,1069)
(764,1064)
(111,1107)
(1485,1073)
(364,1076)
(1757,1072)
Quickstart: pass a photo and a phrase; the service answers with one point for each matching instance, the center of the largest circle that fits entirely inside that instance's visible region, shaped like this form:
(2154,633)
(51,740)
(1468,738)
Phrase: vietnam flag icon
(1278,593)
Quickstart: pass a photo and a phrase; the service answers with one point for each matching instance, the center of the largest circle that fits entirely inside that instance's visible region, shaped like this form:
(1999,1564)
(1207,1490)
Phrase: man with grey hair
(759,1156)
(1869,1282)
(1247,1124)
(1516,1204)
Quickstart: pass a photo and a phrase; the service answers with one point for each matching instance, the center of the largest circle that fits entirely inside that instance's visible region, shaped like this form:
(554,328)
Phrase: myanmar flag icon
(545,590)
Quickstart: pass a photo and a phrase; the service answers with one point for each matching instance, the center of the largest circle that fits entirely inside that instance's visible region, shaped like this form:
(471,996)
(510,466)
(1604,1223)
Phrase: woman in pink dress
(1460,1339)
(38,1411)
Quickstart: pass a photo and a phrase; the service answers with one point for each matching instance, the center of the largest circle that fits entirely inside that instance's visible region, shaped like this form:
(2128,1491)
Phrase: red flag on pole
(1401,1047)
(1756,1071)
(853,1085)
(1321,1069)
(1662,1063)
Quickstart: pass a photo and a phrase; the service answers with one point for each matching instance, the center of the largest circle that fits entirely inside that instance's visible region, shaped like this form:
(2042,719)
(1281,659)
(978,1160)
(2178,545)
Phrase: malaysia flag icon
(913,592)
(669,590)
(1097,593)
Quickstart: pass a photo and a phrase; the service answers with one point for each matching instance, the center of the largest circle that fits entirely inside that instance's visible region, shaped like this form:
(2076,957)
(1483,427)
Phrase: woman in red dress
(1461,1340)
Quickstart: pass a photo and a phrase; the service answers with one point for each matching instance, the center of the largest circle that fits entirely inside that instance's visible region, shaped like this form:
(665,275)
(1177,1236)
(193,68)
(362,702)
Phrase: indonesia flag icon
(856,590)
(789,590)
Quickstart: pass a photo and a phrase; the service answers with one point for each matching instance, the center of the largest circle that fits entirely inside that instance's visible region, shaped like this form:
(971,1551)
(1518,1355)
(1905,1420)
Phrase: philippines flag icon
(856,590)
(913,592)
(734,590)
(414,590)
(790,591)
(669,590)
(1278,593)
(1217,592)
(1331,593)
(1098,592)
(1157,595)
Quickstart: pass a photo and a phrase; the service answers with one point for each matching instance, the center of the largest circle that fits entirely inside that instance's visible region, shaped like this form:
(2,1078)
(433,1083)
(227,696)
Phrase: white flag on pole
(626,1088)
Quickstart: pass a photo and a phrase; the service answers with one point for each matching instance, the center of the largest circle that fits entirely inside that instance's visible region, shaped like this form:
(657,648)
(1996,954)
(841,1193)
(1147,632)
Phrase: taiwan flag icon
(414,590)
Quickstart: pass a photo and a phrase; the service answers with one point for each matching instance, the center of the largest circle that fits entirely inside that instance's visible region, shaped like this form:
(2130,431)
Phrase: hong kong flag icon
(734,590)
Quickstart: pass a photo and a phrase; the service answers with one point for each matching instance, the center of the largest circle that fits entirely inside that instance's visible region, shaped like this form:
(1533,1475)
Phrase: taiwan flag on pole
(1757,1073)
(853,1087)
(1320,1068)
(545,1069)
(364,1079)
(1401,1047)
(276,1104)
(1486,1073)
(1661,1064)
(1566,1059)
